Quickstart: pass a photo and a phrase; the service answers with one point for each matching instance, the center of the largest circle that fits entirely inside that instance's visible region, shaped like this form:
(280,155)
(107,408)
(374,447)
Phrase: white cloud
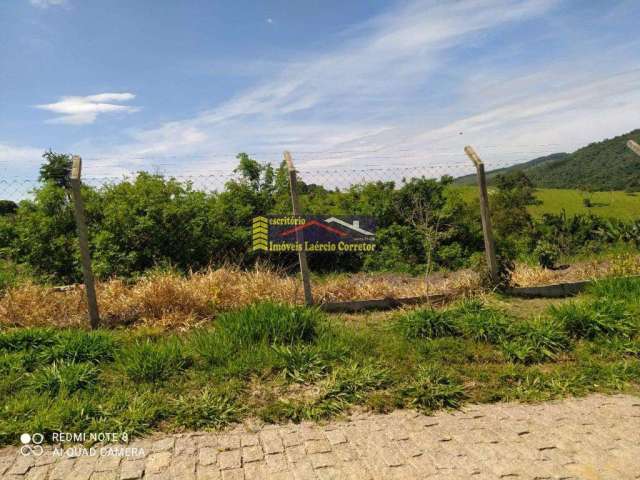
(269,20)
(84,110)
(47,3)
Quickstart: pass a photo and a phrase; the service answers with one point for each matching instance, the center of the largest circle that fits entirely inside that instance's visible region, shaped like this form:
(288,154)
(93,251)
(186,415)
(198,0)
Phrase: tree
(8,207)
(509,203)
(56,169)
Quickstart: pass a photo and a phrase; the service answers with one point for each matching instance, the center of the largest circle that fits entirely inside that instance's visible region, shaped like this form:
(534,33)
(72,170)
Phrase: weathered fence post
(83,238)
(634,147)
(489,242)
(302,255)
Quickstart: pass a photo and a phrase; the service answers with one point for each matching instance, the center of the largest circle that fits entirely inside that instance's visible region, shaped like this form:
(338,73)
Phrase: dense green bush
(152,221)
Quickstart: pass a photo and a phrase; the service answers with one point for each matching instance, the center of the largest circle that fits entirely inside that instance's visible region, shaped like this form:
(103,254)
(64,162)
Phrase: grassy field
(281,363)
(620,205)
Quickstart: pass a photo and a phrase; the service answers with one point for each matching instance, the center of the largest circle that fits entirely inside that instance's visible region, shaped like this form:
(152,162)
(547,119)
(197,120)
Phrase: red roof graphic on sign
(310,223)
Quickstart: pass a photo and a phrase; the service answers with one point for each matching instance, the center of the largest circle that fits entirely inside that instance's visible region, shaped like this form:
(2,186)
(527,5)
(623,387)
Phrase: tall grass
(148,361)
(476,321)
(426,323)
(271,323)
(604,316)
(432,389)
(65,377)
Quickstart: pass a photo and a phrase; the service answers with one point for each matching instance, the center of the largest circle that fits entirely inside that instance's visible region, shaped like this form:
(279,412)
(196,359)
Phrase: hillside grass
(616,204)
(281,363)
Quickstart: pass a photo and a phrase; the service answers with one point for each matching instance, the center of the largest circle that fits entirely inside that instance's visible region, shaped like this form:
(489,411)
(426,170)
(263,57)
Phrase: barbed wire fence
(324,169)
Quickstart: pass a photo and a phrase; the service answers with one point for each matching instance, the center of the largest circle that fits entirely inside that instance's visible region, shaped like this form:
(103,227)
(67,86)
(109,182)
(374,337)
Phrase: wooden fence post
(302,255)
(634,147)
(83,238)
(489,242)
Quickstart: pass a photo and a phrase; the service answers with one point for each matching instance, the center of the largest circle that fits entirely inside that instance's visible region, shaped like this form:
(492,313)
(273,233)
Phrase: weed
(213,346)
(433,389)
(535,341)
(351,382)
(299,363)
(80,346)
(479,323)
(272,323)
(626,289)
(152,362)
(601,317)
(65,377)
(209,409)
(425,323)
(27,338)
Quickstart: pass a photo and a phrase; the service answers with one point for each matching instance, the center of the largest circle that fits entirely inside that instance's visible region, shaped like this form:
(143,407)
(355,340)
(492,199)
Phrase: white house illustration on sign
(355,226)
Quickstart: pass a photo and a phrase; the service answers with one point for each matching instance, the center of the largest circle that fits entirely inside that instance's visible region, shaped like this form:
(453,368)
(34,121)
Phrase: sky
(183,86)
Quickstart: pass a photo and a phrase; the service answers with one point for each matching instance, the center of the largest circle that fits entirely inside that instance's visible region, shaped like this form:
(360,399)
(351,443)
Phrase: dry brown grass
(618,265)
(169,300)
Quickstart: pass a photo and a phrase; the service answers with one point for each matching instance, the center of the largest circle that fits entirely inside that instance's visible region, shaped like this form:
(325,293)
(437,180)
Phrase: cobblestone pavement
(596,437)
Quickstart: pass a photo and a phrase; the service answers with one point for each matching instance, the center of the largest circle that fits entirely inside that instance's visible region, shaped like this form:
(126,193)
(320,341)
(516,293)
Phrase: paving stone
(271,442)
(276,462)
(207,456)
(131,469)
(110,475)
(595,437)
(252,454)
(163,444)
(229,460)
(235,474)
(21,465)
(107,463)
(157,462)
(336,437)
(228,442)
(249,440)
(184,467)
(320,460)
(208,472)
(62,469)
(317,446)
(37,473)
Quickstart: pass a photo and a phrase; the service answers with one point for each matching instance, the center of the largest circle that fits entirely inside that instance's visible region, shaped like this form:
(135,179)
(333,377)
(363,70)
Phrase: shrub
(209,409)
(425,323)
(272,323)
(603,316)
(547,254)
(152,362)
(66,377)
(433,389)
(479,323)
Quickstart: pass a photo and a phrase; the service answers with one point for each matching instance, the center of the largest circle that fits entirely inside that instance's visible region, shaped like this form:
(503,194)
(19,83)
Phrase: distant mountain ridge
(600,166)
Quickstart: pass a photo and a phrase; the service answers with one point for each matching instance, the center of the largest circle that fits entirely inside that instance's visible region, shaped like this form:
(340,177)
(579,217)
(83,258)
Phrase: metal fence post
(83,238)
(489,242)
(302,255)
(634,147)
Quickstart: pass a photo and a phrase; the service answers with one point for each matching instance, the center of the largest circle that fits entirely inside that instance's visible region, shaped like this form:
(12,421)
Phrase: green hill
(600,166)
(526,166)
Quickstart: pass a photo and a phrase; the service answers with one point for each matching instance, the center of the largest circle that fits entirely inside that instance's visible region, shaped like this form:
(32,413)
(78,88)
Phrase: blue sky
(187,84)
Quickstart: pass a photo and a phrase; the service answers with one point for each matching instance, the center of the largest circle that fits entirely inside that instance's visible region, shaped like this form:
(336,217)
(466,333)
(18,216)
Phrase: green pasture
(614,204)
